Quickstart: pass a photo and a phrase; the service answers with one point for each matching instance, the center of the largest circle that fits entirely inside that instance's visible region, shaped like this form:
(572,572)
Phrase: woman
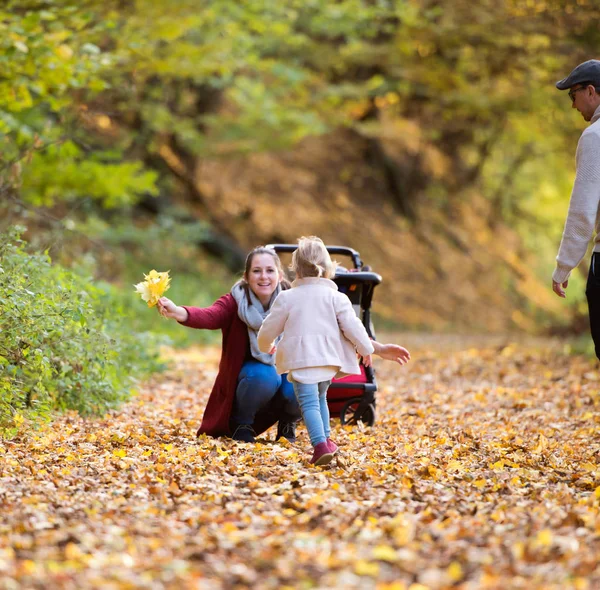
(248,395)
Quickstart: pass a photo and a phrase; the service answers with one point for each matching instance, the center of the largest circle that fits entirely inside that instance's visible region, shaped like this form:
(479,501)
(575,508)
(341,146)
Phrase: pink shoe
(333,448)
(322,455)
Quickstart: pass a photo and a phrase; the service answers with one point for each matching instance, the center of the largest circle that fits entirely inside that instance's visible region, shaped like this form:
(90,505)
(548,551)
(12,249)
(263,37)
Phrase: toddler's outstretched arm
(390,352)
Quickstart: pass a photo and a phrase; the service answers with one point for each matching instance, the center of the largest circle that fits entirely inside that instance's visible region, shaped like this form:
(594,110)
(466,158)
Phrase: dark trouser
(261,389)
(592,292)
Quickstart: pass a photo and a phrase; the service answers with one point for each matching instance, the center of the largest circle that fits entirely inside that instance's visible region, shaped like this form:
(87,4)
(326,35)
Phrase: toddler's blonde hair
(311,259)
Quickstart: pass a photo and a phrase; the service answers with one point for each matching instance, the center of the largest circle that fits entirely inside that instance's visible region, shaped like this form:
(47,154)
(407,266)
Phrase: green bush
(65,342)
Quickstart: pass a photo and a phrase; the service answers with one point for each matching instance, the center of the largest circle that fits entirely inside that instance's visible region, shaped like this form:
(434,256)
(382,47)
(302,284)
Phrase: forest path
(482,471)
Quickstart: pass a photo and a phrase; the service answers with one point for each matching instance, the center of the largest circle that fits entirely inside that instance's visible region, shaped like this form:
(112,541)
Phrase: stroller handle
(342,250)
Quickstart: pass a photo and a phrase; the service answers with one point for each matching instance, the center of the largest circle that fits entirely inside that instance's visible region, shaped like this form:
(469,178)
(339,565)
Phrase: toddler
(321,335)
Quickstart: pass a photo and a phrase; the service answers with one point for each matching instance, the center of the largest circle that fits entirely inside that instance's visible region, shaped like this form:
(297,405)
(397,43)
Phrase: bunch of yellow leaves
(152,289)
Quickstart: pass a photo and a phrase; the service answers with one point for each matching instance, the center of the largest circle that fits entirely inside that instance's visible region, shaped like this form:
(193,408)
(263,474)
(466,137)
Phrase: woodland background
(428,135)
(142,134)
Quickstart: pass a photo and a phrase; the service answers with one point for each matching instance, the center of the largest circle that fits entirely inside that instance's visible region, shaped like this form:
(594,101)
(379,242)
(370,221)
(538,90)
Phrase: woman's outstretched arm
(214,317)
(168,309)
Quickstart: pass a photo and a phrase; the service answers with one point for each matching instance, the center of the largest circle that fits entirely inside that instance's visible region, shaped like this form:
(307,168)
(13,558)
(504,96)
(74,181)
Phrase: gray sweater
(584,216)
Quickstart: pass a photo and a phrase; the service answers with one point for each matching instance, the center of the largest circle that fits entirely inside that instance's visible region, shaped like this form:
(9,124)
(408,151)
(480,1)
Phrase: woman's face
(263,277)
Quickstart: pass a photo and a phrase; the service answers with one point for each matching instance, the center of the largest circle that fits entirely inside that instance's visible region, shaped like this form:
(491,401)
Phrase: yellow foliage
(366,568)
(441,493)
(385,553)
(64,52)
(544,538)
(455,571)
(153,288)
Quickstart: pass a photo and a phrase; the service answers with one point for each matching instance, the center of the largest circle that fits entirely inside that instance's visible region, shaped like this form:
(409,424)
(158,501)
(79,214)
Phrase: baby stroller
(352,398)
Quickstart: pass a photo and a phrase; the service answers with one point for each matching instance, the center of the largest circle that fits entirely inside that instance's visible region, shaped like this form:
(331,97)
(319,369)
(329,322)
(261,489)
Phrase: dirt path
(483,471)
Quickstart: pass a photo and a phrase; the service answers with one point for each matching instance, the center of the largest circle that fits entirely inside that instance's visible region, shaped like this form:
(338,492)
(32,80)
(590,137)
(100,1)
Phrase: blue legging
(313,401)
(259,385)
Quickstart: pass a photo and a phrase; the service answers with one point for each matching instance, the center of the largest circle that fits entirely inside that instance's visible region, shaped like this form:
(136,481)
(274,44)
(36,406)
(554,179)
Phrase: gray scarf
(253,314)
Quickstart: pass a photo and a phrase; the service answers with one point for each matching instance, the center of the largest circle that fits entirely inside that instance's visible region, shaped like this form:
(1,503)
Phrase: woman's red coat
(223,315)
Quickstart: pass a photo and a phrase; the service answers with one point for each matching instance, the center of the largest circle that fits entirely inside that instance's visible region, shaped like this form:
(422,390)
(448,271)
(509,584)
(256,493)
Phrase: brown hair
(285,284)
(311,259)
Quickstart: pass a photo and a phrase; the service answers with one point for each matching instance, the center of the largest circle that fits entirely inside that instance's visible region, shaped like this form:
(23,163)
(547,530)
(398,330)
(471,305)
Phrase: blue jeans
(312,398)
(259,386)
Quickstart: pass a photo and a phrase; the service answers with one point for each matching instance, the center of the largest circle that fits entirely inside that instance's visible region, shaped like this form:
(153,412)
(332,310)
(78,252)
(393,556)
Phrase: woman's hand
(168,309)
(367,360)
(392,352)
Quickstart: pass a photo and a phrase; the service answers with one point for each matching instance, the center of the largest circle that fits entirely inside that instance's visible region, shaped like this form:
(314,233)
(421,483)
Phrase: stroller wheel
(356,410)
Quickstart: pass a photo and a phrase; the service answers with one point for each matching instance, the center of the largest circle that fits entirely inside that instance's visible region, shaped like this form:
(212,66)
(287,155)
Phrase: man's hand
(559,288)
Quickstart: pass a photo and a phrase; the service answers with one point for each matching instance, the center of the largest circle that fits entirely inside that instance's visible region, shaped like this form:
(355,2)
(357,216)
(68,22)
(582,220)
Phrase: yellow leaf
(542,444)
(103,121)
(120,453)
(518,550)
(29,566)
(385,553)
(455,466)
(64,52)
(455,571)
(597,492)
(479,483)
(581,584)
(544,538)
(153,288)
(366,568)
(72,551)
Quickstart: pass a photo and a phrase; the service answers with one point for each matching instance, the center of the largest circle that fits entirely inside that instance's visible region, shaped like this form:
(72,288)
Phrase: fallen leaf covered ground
(483,471)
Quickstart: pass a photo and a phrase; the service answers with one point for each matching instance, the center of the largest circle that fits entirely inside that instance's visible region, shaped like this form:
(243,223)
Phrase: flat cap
(588,71)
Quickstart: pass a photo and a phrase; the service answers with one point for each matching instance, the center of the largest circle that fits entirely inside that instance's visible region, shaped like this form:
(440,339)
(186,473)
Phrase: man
(583,218)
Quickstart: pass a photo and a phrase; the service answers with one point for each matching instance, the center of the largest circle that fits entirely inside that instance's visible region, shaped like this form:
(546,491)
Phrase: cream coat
(319,328)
